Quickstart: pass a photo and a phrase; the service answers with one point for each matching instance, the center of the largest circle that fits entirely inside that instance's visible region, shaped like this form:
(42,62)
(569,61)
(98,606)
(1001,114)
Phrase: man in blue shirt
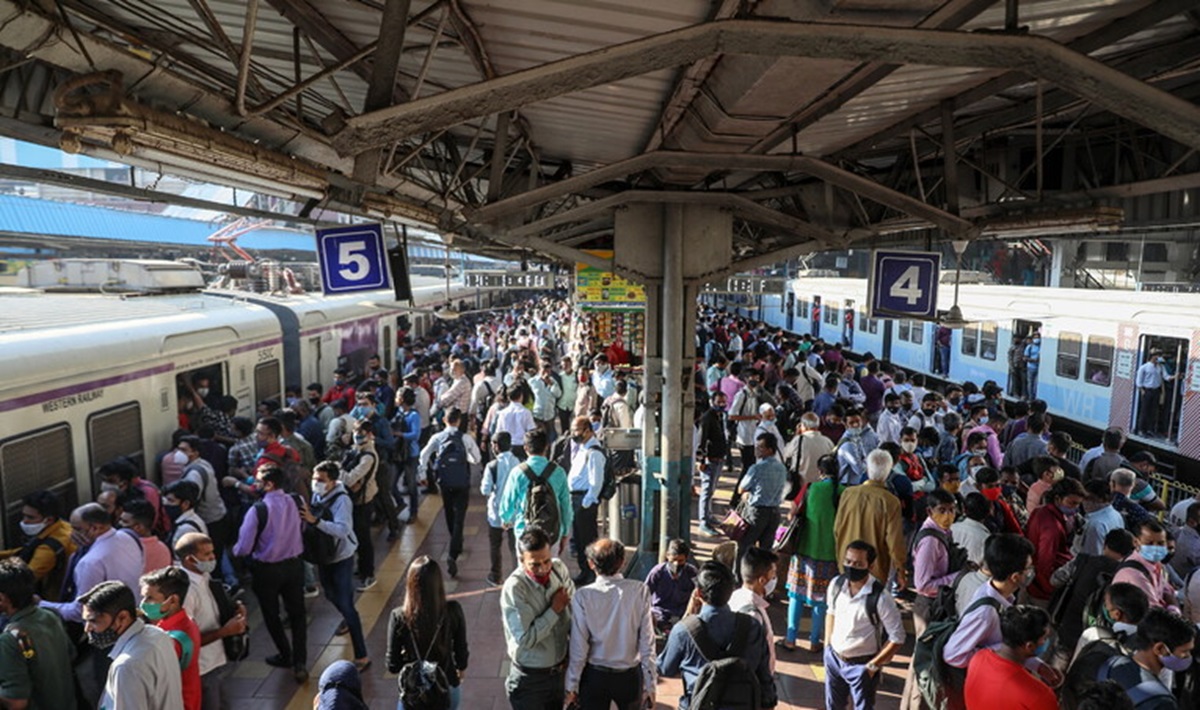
(762,491)
(682,655)
(1033,359)
(585,480)
(516,490)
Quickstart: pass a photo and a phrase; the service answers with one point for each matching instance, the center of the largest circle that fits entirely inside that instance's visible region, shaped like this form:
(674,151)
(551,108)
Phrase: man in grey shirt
(535,607)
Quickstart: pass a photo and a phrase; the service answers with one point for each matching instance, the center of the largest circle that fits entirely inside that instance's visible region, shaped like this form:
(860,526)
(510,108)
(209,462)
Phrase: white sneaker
(405,515)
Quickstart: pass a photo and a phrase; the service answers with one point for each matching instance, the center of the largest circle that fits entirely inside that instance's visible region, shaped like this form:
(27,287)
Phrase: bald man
(612,636)
(585,480)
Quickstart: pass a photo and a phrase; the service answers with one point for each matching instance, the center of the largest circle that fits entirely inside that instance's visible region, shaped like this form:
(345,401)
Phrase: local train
(91,376)
(1092,344)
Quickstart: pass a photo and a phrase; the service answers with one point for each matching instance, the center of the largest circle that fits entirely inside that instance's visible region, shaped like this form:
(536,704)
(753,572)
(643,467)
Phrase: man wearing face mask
(1009,559)
(1144,568)
(1161,649)
(341,389)
(163,593)
(711,452)
(35,652)
(758,583)
(1051,530)
(1101,518)
(671,583)
(48,545)
(933,568)
(585,480)
(1025,633)
(603,379)
(854,446)
(179,501)
(1033,361)
(196,558)
(103,554)
(144,673)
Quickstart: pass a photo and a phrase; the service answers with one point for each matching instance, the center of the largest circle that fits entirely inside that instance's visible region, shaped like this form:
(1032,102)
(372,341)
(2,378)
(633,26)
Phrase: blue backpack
(450,465)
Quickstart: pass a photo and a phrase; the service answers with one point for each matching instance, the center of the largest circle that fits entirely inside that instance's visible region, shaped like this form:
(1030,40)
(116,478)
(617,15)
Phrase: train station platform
(254,684)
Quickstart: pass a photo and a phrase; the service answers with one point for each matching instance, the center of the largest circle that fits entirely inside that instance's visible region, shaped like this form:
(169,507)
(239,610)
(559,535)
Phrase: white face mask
(202,391)
(110,487)
(32,529)
(320,488)
(769,587)
(975,470)
(908,446)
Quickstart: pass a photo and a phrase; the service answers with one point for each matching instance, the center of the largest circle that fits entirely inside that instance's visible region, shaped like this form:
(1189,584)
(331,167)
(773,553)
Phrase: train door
(1018,384)
(816,317)
(848,325)
(888,325)
(388,346)
(791,311)
(1157,410)
(316,368)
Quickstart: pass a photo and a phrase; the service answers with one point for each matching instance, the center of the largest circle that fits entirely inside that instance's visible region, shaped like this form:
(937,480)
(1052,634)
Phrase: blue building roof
(32,216)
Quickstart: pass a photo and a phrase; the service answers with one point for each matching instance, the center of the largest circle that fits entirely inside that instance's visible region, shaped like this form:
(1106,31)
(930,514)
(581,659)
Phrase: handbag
(787,538)
(736,525)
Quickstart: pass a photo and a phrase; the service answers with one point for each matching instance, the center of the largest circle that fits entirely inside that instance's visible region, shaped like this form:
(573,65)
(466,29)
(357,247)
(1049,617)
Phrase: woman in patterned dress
(815,561)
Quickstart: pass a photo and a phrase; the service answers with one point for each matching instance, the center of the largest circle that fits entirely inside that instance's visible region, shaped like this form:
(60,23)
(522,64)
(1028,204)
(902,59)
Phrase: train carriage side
(89,378)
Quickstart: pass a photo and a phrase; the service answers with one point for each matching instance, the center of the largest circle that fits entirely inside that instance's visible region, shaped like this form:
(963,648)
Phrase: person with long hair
(428,627)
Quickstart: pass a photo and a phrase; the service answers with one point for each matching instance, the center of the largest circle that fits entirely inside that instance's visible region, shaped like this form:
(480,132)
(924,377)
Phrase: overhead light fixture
(1061,222)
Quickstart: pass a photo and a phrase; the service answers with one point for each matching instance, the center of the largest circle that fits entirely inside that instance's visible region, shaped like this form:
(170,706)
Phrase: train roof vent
(129,276)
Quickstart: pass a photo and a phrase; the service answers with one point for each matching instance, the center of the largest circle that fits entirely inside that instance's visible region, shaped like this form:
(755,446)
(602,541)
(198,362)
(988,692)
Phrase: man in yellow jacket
(48,544)
(870,512)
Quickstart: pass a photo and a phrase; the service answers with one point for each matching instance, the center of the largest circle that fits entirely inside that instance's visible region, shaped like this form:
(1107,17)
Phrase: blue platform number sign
(904,284)
(352,258)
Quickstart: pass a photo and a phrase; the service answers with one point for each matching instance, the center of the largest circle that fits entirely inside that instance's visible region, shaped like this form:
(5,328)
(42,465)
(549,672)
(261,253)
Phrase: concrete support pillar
(1062,256)
(675,244)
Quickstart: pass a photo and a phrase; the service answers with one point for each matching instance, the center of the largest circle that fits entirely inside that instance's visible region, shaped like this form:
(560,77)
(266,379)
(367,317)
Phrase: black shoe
(393,535)
(494,580)
(279,661)
(300,673)
(452,567)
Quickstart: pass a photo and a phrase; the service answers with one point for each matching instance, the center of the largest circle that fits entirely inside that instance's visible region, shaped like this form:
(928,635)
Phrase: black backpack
(399,429)
(320,548)
(423,684)
(616,464)
(1093,608)
(486,403)
(726,682)
(237,647)
(957,556)
(451,468)
(541,502)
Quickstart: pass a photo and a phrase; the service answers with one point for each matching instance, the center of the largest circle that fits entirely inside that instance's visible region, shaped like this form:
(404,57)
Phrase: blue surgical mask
(1154,553)
(1176,664)
(1042,647)
(983,420)
(854,431)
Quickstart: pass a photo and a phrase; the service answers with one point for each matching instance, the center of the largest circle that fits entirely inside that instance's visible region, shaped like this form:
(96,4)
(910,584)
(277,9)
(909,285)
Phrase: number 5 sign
(903,284)
(352,258)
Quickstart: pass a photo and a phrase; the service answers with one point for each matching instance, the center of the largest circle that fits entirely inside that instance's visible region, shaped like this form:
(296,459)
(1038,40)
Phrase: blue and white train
(1092,344)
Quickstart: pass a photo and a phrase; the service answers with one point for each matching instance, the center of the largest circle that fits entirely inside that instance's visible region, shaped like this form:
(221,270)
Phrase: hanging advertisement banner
(596,289)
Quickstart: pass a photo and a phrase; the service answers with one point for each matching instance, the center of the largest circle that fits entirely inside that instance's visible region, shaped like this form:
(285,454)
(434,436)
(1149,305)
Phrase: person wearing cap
(1150,378)
(340,688)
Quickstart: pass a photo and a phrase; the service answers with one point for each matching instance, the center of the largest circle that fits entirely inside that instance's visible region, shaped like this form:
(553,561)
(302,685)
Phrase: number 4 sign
(903,284)
(352,258)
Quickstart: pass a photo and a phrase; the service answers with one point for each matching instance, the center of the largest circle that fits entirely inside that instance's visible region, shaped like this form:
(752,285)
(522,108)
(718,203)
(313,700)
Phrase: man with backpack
(447,459)
(586,482)
(359,467)
(1079,585)
(1164,642)
(937,562)
(721,654)
(1009,559)
(536,494)
(860,613)
(331,516)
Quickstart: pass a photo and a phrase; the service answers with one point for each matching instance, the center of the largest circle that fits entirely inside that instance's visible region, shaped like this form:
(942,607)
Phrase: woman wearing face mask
(815,563)
(1051,530)
(332,513)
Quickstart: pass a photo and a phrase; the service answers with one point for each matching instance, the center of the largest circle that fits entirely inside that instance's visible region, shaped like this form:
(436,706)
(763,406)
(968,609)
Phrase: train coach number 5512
(352,258)
(903,284)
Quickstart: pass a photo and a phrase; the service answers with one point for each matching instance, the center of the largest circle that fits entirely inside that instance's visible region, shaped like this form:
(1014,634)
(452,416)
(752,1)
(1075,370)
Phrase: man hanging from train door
(1150,378)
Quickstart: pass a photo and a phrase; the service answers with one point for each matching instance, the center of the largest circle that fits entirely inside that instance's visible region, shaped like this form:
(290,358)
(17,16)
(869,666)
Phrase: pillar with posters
(611,308)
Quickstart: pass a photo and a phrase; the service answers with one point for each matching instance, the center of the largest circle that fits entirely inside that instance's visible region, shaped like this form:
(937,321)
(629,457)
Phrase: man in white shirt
(585,480)
(145,670)
(196,557)
(859,610)
(1149,380)
(806,448)
(611,657)
(758,581)
(512,417)
(971,533)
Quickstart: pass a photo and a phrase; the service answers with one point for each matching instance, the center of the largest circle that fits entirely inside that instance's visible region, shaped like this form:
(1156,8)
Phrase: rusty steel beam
(381,90)
(1038,56)
(760,163)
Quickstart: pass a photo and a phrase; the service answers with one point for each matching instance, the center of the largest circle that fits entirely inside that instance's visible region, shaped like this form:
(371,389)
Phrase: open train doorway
(1158,400)
(1019,375)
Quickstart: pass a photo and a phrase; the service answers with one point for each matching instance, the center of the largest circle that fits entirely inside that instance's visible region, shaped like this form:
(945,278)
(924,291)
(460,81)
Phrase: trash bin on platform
(625,511)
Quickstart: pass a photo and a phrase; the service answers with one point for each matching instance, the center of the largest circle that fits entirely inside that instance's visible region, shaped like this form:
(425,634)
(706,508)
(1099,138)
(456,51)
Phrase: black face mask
(857,574)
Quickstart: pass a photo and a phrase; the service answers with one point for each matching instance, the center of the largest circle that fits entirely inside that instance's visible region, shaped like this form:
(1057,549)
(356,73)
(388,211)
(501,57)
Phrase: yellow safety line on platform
(388,575)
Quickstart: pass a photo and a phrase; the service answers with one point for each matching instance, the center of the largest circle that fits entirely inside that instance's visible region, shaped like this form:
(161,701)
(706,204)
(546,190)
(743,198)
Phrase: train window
(115,432)
(803,308)
(1067,365)
(970,340)
(832,317)
(266,381)
(918,332)
(988,340)
(905,327)
(1099,361)
(36,461)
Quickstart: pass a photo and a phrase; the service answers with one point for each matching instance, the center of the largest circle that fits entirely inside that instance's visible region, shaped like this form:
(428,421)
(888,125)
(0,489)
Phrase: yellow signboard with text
(597,289)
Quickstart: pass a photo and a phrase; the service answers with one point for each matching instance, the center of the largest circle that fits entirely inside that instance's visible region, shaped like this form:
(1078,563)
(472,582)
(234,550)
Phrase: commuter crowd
(861,495)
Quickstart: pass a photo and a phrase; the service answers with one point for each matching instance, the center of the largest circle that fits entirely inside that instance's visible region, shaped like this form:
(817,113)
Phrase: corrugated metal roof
(29,216)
